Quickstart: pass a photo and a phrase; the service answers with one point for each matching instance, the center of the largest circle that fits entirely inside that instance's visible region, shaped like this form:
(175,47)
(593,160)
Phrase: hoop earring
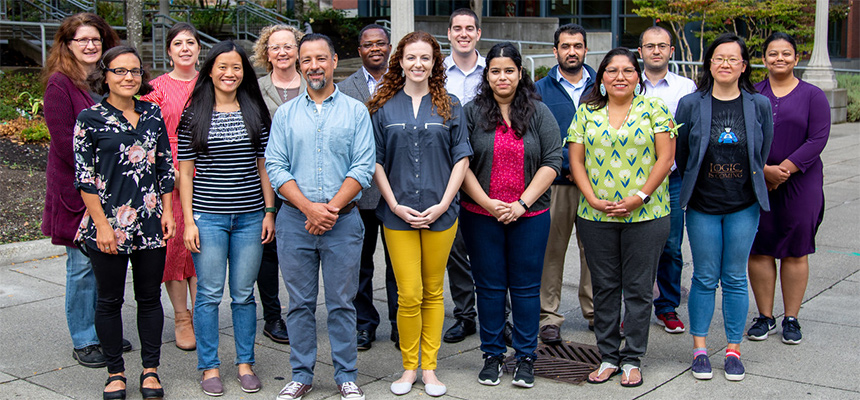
(602,90)
(638,88)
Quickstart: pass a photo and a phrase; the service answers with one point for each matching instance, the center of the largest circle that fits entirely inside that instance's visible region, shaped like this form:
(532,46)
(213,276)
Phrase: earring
(170,62)
(638,89)
(430,74)
(402,73)
(602,90)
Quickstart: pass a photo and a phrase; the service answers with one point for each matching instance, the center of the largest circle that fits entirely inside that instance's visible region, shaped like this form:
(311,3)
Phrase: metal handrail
(241,27)
(42,37)
(48,10)
(272,14)
(443,40)
(83,5)
(164,23)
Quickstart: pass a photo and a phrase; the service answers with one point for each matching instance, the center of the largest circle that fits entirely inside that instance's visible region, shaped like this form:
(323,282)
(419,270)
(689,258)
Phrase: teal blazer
(694,116)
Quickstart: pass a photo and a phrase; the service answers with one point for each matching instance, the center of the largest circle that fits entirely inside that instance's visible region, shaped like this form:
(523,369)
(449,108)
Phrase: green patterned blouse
(618,161)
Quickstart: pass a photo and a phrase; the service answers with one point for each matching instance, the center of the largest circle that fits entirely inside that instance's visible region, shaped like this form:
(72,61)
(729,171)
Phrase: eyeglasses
(613,73)
(83,42)
(125,71)
(370,45)
(718,61)
(651,46)
(277,47)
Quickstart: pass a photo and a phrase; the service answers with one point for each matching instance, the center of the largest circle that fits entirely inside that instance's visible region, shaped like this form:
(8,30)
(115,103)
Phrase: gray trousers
(460,280)
(623,257)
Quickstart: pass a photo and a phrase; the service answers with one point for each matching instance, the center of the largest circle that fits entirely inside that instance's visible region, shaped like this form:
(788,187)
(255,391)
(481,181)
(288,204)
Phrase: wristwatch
(271,210)
(522,203)
(645,198)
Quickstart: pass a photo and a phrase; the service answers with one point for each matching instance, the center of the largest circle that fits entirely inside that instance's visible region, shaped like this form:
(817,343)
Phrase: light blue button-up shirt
(574,90)
(320,148)
(464,84)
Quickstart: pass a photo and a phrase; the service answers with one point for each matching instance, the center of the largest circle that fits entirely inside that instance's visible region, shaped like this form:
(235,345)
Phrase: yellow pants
(419,259)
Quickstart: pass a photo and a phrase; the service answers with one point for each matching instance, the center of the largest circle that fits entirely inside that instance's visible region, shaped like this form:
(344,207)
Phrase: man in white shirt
(465,70)
(655,48)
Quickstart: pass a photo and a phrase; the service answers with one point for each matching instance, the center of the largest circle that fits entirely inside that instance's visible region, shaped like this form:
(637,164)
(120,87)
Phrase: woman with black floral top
(124,172)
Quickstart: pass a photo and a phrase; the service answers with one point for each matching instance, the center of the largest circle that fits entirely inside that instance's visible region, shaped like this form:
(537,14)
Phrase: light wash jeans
(232,239)
(721,247)
(81,297)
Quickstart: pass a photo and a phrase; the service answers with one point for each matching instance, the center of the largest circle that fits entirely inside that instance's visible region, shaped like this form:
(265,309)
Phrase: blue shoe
(702,367)
(761,327)
(734,369)
(791,331)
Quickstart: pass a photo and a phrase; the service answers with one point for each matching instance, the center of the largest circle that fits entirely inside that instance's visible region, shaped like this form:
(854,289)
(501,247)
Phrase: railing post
(44,58)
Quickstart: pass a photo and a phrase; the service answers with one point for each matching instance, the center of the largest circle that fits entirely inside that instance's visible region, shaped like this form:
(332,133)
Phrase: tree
(134,17)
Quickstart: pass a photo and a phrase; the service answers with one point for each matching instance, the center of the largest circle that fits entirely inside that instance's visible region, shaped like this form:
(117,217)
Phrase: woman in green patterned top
(622,145)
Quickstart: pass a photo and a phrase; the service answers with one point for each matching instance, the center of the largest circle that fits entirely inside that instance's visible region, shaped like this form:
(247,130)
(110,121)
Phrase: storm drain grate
(567,362)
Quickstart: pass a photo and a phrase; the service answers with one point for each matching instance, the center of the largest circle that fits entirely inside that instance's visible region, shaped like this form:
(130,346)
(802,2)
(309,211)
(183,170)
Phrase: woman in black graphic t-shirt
(724,135)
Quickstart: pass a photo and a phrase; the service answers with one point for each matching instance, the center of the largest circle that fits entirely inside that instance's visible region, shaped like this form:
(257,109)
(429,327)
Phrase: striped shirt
(227,180)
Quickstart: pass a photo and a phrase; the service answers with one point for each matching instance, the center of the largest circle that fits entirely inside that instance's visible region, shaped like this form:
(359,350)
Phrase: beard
(317,84)
(568,67)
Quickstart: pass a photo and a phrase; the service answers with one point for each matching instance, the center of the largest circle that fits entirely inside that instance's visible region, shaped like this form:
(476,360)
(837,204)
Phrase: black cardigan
(542,147)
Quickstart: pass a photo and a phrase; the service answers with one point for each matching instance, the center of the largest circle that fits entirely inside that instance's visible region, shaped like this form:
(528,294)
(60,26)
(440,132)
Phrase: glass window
(563,7)
(596,7)
(632,28)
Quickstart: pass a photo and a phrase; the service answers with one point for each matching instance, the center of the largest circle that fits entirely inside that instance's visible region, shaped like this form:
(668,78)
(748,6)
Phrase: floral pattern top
(129,168)
(619,161)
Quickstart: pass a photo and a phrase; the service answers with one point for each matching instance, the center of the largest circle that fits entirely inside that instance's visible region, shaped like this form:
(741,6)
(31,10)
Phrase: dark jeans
(147,270)
(267,278)
(460,281)
(507,258)
(671,261)
(366,316)
(623,257)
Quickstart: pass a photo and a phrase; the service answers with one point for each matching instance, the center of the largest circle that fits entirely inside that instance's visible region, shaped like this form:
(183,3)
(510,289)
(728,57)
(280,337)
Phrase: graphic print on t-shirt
(727,143)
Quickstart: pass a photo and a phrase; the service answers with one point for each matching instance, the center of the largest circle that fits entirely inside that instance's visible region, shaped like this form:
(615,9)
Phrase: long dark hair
(97,81)
(522,108)
(594,99)
(706,81)
(199,108)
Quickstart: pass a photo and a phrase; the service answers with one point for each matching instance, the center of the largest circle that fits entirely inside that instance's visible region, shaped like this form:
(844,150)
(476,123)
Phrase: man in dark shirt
(374,47)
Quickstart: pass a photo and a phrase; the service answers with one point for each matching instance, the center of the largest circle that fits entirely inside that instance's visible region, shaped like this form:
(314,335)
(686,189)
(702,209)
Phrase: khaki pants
(562,209)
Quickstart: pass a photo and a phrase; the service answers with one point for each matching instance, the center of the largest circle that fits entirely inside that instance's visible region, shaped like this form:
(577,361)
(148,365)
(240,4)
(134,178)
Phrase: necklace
(287,87)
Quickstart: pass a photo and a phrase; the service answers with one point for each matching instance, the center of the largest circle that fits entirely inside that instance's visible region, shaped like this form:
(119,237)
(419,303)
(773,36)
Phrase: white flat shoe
(401,388)
(434,390)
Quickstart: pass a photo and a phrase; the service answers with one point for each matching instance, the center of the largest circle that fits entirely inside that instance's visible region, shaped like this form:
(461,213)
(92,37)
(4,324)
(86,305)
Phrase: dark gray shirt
(417,155)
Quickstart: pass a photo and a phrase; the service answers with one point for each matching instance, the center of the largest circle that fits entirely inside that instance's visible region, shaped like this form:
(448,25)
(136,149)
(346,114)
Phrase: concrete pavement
(36,361)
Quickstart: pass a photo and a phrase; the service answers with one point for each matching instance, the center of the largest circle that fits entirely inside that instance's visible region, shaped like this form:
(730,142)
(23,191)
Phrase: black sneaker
(524,375)
(492,371)
(90,356)
(791,331)
(761,327)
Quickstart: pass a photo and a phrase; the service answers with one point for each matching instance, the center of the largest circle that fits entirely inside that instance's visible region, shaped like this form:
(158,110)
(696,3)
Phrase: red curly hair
(394,80)
(63,60)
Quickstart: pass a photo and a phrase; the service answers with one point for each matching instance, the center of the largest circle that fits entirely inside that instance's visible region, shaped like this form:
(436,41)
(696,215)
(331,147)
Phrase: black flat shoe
(149,393)
(459,331)
(115,395)
(364,339)
(126,346)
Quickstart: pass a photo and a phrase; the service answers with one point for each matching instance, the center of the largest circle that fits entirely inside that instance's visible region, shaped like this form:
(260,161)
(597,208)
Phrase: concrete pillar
(402,20)
(819,72)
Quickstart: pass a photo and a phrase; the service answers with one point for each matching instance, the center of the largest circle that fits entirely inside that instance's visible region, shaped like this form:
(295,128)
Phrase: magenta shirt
(507,179)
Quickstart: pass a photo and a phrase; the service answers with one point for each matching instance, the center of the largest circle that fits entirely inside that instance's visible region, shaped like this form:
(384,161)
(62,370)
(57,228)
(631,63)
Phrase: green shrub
(12,84)
(8,113)
(36,133)
(541,72)
(852,83)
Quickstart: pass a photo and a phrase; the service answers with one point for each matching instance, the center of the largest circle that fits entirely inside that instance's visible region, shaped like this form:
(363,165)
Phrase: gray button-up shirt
(417,155)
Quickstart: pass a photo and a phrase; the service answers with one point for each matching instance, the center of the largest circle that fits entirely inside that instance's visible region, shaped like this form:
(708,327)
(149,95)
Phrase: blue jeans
(301,256)
(233,239)
(671,261)
(721,246)
(81,297)
(507,257)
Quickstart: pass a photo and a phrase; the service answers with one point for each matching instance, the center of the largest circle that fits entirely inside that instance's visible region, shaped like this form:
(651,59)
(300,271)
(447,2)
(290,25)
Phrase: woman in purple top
(78,47)
(793,172)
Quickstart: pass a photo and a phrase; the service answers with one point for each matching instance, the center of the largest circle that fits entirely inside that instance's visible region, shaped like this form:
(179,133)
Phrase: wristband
(271,210)
(522,203)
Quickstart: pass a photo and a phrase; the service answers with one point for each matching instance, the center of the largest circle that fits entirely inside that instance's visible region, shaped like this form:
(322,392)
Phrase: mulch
(22,190)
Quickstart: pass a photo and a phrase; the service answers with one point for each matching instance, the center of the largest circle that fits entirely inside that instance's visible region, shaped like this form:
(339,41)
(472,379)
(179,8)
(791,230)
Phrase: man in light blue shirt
(320,155)
(655,48)
(464,68)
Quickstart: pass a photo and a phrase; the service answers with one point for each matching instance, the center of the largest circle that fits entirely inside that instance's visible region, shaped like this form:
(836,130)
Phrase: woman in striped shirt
(171,91)
(228,204)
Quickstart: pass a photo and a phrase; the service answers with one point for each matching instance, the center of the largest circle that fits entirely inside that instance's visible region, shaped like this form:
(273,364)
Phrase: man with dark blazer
(374,47)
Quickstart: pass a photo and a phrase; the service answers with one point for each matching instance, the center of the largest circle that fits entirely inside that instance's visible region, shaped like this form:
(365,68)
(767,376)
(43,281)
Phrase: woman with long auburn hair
(422,151)
(77,49)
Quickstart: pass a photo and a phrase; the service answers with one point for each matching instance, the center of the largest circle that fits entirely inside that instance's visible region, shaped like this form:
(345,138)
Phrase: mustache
(315,71)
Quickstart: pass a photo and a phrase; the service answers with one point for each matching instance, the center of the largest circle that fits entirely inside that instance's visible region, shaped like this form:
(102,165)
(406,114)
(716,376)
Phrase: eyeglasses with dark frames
(125,71)
(83,42)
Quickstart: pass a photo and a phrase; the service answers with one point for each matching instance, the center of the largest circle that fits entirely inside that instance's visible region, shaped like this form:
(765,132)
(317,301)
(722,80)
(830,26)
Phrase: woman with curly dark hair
(422,151)
(505,218)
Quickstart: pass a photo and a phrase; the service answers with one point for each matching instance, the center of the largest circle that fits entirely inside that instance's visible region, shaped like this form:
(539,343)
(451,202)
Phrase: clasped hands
(505,212)
(620,209)
(775,175)
(419,220)
(321,218)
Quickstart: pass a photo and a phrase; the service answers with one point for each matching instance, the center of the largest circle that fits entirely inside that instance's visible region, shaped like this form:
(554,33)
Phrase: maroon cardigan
(64,207)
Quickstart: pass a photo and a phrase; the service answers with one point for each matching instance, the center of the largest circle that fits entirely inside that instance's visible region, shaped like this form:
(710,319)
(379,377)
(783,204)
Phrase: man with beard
(655,48)
(319,228)
(374,47)
(562,89)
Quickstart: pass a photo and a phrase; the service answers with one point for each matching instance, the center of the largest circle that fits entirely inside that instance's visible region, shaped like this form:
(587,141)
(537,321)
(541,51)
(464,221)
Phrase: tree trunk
(134,19)
(477,6)
(164,7)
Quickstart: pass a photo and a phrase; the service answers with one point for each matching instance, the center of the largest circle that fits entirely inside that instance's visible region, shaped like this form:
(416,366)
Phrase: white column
(402,19)
(819,72)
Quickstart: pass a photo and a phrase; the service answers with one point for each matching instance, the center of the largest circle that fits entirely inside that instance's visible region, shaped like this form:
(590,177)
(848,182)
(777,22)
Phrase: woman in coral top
(171,91)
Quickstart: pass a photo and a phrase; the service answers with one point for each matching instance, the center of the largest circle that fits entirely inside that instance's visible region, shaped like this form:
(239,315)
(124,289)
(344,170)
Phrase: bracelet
(523,203)
(271,210)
